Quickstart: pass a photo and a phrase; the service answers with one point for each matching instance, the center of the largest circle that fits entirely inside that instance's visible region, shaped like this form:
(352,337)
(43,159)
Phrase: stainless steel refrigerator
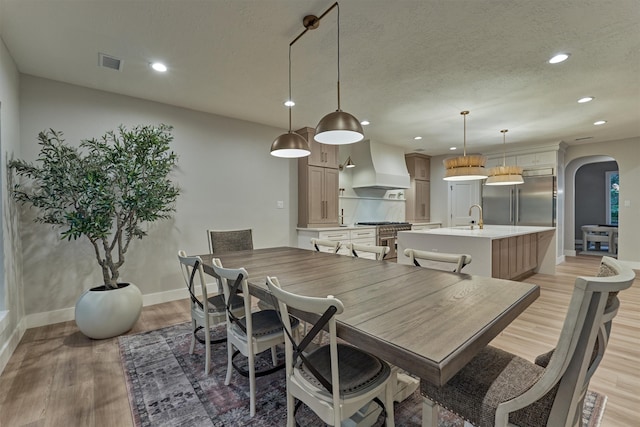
(530,203)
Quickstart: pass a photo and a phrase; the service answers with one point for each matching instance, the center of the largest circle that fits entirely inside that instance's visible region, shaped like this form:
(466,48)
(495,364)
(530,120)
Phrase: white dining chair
(497,388)
(357,250)
(251,334)
(206,310)
(334,380)
(329,245)
(438,260)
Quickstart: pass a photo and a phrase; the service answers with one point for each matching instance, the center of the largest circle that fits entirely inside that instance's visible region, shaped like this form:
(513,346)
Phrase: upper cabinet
(418,195)
(318,184)
(419,166)
(545,158)
(322,155)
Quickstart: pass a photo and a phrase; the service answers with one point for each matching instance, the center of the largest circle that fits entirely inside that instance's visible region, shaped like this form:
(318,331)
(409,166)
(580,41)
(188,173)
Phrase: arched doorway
(586,193)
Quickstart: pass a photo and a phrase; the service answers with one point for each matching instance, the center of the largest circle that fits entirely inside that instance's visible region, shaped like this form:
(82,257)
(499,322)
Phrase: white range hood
(378,166)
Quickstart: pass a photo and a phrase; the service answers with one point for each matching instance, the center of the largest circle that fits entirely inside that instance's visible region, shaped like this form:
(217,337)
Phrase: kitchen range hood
(378,166)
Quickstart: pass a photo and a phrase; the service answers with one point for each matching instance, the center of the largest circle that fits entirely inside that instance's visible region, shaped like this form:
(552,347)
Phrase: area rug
(167,387)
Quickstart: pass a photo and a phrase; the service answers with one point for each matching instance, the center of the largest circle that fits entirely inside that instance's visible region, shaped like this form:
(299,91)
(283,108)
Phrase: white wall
(627,153)
(11,297)
(227,176)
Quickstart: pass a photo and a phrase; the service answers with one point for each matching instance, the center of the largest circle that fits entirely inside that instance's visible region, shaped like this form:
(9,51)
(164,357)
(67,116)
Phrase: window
(612,195)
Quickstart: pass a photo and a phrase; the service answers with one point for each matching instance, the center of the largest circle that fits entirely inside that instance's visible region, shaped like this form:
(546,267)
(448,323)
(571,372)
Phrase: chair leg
(291,408)
(429,413)
(193,336)
(389,404)
(274,356)
(227,380)
(252,382)
(207,352)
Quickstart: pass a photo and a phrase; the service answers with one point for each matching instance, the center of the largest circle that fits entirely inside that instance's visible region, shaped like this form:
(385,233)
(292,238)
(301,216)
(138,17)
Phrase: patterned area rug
(167,387)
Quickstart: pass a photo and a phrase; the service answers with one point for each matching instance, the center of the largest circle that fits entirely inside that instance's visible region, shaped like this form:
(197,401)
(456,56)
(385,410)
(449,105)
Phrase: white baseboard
(11,344)
(568,252)
(632,264)
(560,259)
(66,314)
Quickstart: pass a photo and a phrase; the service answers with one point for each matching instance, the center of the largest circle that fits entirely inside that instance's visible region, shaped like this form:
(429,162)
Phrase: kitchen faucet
(480,221)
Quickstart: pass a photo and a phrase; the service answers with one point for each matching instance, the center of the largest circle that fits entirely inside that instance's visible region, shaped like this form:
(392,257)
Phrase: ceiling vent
(110,62)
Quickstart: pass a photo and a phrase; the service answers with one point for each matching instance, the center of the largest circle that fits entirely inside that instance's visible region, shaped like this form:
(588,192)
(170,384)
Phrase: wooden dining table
(430,323)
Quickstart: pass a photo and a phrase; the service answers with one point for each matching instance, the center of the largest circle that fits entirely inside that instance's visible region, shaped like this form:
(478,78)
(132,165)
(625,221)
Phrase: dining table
(430,323)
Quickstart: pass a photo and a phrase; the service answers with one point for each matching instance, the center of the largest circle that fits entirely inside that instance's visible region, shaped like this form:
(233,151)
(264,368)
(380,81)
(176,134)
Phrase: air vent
(107,61)
(583,138)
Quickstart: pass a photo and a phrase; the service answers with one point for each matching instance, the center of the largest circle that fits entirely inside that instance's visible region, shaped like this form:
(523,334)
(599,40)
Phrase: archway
(571,170)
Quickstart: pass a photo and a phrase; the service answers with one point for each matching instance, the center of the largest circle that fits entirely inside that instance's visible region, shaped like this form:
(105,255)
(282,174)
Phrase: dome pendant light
(465,168)
(290,144)
(505,175)
(338,127)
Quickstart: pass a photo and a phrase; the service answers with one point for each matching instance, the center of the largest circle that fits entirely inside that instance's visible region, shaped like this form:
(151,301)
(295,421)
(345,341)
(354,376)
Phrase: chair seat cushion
(492,377)
(265,322)
(217,303)
(359,371)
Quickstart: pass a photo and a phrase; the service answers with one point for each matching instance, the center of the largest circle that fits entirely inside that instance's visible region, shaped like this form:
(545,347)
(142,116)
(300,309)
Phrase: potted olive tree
(104,189)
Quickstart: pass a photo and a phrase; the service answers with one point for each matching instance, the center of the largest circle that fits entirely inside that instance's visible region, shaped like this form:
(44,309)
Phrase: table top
(429,322)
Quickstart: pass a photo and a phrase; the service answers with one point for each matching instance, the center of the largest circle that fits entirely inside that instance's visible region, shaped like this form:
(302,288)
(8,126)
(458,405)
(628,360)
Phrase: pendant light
(338,127)
(465,168)
(505,175)
(290,144)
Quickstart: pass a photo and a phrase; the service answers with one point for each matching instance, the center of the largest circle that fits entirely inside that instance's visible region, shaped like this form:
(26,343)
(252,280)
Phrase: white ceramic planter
(104,314)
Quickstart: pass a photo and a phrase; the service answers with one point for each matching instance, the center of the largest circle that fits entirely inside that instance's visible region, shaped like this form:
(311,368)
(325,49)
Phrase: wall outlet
(280,204)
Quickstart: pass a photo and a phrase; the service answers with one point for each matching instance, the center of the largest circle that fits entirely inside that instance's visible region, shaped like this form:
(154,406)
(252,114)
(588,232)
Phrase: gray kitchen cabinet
(418,207)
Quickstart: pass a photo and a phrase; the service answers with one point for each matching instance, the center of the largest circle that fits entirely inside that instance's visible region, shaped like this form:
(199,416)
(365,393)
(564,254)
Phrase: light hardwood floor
(57,377)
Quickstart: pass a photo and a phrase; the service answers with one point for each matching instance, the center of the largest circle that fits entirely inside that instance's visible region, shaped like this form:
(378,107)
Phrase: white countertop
(488,232)
(346,227)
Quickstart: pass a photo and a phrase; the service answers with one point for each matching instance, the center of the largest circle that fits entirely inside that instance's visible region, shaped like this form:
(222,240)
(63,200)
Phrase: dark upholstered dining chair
(221,241)
(498,388)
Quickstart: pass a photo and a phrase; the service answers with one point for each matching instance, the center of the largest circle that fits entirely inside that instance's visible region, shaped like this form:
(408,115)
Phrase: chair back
(594,303)
(193,274)
(438,260)
(327,308)
(333,246)
(221,241)
(379,251)
(234,281)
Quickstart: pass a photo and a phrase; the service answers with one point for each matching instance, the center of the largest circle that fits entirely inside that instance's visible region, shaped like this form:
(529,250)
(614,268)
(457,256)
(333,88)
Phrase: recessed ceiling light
(600,122)
(561,57)
(289,103)
(585,99)
(159,66)
(365,123)
(417,138)
(452,148)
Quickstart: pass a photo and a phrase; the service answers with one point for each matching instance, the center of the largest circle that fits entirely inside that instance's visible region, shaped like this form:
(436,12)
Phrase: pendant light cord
(464,140)
(504,147)
(338,39)
(290,98)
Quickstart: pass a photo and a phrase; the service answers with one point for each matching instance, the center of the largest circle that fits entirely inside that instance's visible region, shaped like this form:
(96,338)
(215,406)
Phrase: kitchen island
(501,251)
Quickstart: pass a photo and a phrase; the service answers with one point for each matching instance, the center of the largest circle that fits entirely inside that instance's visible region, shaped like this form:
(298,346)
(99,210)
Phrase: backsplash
(364,209)
(369,204)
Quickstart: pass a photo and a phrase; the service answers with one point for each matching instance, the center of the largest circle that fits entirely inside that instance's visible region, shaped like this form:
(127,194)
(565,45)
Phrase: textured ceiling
(408,66)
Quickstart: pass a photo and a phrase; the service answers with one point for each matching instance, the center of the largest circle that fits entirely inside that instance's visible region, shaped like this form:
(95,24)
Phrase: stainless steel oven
(387,235)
